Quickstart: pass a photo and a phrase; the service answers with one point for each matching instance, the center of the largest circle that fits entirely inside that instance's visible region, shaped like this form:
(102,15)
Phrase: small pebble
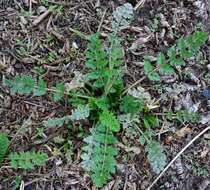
(23,20)
(28,187)
(7,102)
(208,67)
(206,93)
(41,9)
(121,168)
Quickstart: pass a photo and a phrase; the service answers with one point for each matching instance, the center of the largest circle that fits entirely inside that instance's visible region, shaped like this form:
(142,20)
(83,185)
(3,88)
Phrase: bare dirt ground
(46,46)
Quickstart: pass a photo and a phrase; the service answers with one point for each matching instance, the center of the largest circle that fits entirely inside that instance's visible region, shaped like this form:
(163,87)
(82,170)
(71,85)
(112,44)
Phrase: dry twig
(41,18)
(139,4)
(179,154)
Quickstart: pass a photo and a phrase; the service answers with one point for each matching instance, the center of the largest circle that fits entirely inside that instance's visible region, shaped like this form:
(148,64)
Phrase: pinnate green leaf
(187,116)
(41,88)
(156,156)
(88,150)
(150,120)
(161,59)
(131,105)
(109,120)
(122,17)
(102,103)
(148,67)
(173,57)
(27,160)
(58,91)
(21,84)
(196,40)
(4,144)
(116,52)
(166,69)
(81,112)
(164,66)
(99,155)
(56,121)
(96,56)
(93,75)
(184,48)
(149,71)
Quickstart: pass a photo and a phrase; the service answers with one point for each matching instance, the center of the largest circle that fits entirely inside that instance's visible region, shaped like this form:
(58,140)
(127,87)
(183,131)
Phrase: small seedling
(27,160)
(176,56)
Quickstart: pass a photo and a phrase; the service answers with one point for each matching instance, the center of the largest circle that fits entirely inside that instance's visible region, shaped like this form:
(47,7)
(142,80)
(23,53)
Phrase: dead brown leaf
(76,82)
(140,41)
(183,131)
(204,153)
(136,150)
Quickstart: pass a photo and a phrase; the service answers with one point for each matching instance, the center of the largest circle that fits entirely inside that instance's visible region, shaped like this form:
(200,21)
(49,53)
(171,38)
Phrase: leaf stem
(137,82)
